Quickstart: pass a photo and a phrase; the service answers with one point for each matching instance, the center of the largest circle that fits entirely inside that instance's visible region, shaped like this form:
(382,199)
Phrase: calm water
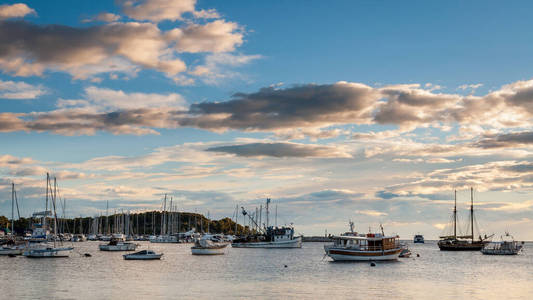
(260,273)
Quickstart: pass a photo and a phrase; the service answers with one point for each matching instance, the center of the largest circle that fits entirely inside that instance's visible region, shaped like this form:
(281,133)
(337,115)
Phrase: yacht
(164,239)
(118,243)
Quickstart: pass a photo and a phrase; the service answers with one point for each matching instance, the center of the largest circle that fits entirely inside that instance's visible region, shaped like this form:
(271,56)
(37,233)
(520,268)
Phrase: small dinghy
(143,255)
(405,253)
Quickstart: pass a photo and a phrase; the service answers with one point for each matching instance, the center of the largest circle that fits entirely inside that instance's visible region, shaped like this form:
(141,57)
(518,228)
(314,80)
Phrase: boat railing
(372,248)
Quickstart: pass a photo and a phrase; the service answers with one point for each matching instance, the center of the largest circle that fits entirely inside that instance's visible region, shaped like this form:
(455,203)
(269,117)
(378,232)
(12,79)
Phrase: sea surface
(267,274)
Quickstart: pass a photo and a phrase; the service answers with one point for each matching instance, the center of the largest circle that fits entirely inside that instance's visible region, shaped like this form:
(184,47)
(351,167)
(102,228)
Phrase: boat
(48,250)
(164,239)
(9,246)
(210,245)
(418,239)
(268,236)
(117,244)
(405,253)
(466,242)
(143,255)
(364,247)
(503,247)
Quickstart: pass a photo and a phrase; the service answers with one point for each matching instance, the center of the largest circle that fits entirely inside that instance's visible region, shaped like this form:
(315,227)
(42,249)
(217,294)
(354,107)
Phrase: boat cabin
(368,242)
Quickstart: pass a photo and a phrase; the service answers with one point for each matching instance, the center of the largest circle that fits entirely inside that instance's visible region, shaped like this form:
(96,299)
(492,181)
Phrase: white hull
(119,247)
(208,251)
(48,252)
(294,243)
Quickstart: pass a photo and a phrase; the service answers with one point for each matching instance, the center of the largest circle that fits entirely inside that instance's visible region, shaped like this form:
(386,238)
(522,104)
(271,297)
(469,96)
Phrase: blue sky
(366,110)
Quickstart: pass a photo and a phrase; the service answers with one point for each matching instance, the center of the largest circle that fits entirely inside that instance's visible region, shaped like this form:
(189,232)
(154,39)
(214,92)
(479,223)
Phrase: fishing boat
(209,245)
(465,242)
(117,244)
(268,236)
(418,239)
(507,246)
(49,250)
(364,247)
(143,255)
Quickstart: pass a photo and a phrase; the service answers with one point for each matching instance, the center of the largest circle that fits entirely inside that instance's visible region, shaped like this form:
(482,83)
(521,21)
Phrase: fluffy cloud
(20,90)
(280,150)
(17,10)
(159,10)
(216,36)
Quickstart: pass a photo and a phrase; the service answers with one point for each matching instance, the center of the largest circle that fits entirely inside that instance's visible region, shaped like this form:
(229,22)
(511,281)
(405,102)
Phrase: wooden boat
(143,255)
(364,247)
(466,242)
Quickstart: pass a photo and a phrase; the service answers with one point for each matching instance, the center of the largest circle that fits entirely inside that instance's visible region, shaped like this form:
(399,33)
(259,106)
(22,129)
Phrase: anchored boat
(466,242)
(268,236)
(418,239)
(209,245)
(143,255)
(507,246)
(364,247)
(118,243)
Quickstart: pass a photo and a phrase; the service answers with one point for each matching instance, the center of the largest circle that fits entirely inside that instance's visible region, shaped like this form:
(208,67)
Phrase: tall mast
(276,215)
(107,217)
(455,217)
(472,211)
(267,203)
(171,218)
(12,208)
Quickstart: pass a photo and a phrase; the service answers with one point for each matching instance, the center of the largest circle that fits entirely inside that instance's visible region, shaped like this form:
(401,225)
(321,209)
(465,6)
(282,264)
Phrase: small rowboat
(143,255)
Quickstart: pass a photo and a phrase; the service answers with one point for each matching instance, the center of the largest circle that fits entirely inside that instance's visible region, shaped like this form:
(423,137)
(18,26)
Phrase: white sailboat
(46,250)
(11,248)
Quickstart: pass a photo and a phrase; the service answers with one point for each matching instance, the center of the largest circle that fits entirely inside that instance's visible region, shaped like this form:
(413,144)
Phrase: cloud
(217,66)
(103,99)
(216,36)
(280,150)
(371,213)
(157,10)
(104,17)
(515,139)
(17,10)
(20,90)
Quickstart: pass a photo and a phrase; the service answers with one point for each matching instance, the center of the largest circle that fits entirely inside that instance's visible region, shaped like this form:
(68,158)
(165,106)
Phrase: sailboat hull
(476,246)
(48,252)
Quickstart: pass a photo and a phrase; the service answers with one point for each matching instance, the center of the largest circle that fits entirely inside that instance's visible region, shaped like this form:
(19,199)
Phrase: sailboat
(465,242)
(11,248)
(46,250)
(165,236)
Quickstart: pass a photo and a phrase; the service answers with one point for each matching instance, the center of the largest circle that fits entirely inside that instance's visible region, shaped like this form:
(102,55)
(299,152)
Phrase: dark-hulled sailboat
(464,242)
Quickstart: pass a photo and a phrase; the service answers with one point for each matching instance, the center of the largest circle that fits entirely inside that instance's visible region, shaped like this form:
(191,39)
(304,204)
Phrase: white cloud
(17,10)
(20,90)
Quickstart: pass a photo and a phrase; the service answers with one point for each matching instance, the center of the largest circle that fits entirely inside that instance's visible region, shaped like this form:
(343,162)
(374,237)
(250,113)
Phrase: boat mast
(267,203)
(472,211)
(455,217)
(12,208)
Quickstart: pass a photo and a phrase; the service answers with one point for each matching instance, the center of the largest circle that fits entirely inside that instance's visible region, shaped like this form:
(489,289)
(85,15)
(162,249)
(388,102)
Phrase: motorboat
(143,255)
(418,239)
(405,253)
(504,247)
(164,239)
(116,244)
(210,245)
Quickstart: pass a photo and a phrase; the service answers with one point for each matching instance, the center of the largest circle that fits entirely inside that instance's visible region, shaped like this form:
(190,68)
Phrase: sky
(370,111)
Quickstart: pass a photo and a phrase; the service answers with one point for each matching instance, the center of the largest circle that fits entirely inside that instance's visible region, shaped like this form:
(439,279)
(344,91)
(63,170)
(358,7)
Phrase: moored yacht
(118,243)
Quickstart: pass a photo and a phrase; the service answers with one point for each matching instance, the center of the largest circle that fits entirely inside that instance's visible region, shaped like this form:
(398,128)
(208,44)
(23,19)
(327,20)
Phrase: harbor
(261,274)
